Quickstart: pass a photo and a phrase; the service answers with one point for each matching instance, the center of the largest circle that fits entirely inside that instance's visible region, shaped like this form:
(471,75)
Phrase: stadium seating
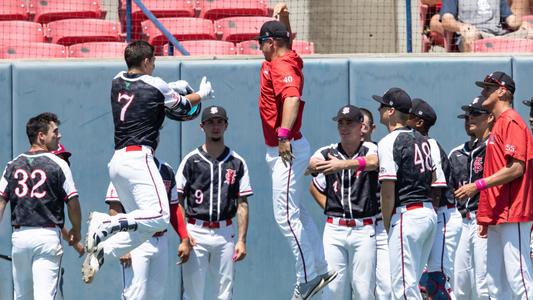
(498,45)
(238,29)
(252,47)
(182,29)
(205,47)
(216,9)
(13,10)
(97,49)
(72,31)
(14,32)
(52,10)
(32,50)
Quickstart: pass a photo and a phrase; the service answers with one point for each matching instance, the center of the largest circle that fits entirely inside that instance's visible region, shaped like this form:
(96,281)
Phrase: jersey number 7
(124,98)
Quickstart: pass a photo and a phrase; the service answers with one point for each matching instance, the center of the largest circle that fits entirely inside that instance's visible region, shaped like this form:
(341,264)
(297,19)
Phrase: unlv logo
(336,186)
(478,165)
(230,177)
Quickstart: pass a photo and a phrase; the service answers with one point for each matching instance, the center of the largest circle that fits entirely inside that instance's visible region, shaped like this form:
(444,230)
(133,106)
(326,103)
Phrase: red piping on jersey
(70,195)
(387,176)
(155,186)
(290,227)
(401,244)
(520,254)
(248,192)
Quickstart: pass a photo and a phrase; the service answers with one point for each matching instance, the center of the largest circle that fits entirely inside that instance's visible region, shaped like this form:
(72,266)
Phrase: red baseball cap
(61,150)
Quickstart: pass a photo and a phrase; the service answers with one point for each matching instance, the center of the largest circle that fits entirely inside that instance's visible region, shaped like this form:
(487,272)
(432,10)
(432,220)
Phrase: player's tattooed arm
(317,195)
(387,201)
(2,207)
(242,223)
(74,215)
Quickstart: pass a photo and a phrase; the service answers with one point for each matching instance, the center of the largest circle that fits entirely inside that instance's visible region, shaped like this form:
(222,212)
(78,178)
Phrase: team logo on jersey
(510,148)
(230,177)
(336,186)
(478,164)
(167,185)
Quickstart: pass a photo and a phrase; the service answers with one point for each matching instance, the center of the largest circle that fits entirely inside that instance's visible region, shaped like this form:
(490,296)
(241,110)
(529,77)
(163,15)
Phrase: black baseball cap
(424,111)
(476,105)
(397,98)
(349,112)
(498,78)
(528,102)
(273,29)
(214,112)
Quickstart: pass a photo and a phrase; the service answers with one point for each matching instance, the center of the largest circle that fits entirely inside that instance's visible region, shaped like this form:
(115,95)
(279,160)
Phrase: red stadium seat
(182,29)
(32,50)
(52,10)
(217,9)
(252,47)
(72,31)
(205,47)
(97,49)
(160,9)
(498,45)
(14,32)
(237,29)
(13,10)
(303,47)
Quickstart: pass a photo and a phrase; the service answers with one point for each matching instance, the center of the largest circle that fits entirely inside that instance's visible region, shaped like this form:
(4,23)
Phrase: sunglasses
(262,40)
(475,113)
(490,79)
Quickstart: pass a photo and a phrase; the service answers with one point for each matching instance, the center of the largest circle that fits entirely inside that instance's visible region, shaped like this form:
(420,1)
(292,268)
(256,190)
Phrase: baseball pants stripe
(295,223)
(412,234)
(509,270)
(383,285)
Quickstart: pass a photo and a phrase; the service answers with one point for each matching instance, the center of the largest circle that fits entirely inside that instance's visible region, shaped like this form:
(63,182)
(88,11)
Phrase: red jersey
(511,202)
(280,78)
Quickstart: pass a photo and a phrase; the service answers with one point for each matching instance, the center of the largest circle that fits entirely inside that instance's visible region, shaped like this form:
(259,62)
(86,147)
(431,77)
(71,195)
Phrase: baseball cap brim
(461,116)
(484,84)
(379,99)
(527,102)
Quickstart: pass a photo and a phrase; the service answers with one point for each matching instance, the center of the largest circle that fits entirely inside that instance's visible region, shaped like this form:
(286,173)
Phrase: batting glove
(205,90)
(181,87)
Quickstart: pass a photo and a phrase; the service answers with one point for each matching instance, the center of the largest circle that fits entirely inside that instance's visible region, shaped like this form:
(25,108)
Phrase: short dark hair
(508,96)
(368,114)
(282,42)
(40,123)
(136,52)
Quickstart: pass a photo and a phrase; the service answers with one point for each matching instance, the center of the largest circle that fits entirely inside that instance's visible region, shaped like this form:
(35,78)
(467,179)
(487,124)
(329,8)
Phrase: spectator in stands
(477,19)
(521,8)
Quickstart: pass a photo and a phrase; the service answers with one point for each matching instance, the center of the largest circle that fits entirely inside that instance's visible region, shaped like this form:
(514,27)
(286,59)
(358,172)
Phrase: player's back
(411,154)
(37,186)
(137,102)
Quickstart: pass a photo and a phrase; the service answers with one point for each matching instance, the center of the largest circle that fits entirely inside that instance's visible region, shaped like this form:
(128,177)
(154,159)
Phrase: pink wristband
(362,163)
(284,133)
(481,184)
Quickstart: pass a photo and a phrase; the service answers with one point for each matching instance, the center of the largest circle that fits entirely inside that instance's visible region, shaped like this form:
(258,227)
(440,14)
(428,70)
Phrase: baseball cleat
(94,233)
(304,291)
(326,279)
(92,263)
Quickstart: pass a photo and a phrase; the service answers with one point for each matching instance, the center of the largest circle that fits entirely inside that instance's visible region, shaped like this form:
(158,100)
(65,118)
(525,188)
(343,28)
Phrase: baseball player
(145,268)
(345,188)
(529,103)
(139,103)
(406,172)
(505,208)
(471,256)
(382,290)
(214,183)
(38,184)
(449,222)
(281,110)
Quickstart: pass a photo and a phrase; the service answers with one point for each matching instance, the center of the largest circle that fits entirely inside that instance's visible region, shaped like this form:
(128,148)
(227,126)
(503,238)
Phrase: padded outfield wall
(79,93)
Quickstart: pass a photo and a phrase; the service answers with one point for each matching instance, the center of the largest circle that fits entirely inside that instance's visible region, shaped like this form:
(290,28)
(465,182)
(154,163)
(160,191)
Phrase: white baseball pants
(470,279)
(351,251)
(146,277)
(36,255)
(509,264)
(212,254)
(142,192)
(442,255)
(411,237)
(294,221)
(383,284)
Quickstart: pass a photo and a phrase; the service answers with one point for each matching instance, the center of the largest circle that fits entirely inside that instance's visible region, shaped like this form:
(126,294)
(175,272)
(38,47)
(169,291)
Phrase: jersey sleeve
(111,194)
(245,188)
(181,180)
(319,182)
(387,166)
(173,192)
(68,185)
(173,100)
(285,80)
(514,140)
(440,180)
(372,148)
(3,185)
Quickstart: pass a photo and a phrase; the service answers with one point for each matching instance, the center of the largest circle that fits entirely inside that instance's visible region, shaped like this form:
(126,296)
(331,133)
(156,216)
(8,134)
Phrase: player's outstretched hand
(285,152)
(281,9)
(79,248)
(181,87)
(205,90)
(184,250)
(125,260)
(240,251)
(466,191)
(482,231)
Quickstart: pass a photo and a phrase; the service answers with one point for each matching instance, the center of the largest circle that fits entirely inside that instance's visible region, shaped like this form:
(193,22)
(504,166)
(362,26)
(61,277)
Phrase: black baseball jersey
(37,185)
(405,157)
(443,171)
(138,103)
(476,162)
(458,158)
(167,173)
(349,193)
(212,185)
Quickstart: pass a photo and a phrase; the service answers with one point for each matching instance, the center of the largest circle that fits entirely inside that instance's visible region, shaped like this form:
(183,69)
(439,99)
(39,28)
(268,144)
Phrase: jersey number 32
(23,189)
